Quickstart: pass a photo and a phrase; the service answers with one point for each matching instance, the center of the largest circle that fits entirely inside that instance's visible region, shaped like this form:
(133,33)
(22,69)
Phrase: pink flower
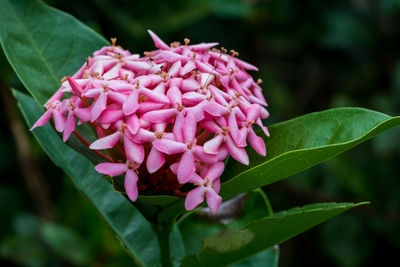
(181,109)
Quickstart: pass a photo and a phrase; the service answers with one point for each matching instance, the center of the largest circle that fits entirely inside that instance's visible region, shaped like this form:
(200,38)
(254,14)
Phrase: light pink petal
(234,129)
(144,136)
(147,106)
(237,153)
(264,113)
(203,156)
(174,69)
(265,129)
(93,92)
(175,96)
(210,126)
(134,152)
(170,56)
(131,104)
(243,136)
(257,143)
(139,66)
(157,41)
(130,184)
(245,65)
(194,198)
(215,171)
(112,73)
(253,112)
(197,110)
(174,167)
(254,99)
(204,67)
(98,106)
(155,96)
(196,179)
(83,114)
(133,123)
(217,185)
(212,145)
(192,98)
(42,120)
(190,85)
(178,127)
(189,66)
(117,97)
(158,116)
(111,169)
(222,153)
(118,85)
(110,116)
(169,147)
(213,200)
(186,167)
(69,126)
(155,160)
(216,109)
(189,127)
(76,88)
(106,142)
(202,46)
(59,120)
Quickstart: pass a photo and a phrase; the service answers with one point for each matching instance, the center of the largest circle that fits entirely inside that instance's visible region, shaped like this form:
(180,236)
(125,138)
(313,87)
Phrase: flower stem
(163,232)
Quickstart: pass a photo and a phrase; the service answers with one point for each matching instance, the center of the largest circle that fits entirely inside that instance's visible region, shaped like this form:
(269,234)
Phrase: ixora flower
(164,120)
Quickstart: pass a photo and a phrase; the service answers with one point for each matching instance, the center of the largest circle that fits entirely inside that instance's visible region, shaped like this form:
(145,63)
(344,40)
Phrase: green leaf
(233,245)
(131,227)
(235,213)
(303,142)
(44,44)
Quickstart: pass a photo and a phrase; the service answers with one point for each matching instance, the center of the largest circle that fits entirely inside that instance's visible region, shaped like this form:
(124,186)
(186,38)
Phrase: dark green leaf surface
(303,142)
(232,245)
(127,222)
(44,44)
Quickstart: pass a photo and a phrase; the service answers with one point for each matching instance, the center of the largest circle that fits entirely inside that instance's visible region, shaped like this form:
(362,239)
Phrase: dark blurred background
(312,55)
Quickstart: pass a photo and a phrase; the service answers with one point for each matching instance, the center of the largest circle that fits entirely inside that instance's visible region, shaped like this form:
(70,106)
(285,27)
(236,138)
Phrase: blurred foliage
(312,55)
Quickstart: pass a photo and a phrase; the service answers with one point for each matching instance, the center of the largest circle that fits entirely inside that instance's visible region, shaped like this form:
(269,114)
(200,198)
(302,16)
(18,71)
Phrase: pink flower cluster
(172,116)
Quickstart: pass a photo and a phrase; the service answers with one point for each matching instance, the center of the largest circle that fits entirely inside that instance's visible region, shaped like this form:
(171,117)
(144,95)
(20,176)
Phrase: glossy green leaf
(44,44)
(303,142)
(131,227)
(235,213)
(233,245)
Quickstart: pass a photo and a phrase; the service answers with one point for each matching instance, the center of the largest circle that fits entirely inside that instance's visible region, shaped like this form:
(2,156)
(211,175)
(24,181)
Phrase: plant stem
(163,232)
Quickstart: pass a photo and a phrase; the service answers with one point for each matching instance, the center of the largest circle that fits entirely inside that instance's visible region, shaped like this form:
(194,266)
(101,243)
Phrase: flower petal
(237,153)
(169,147)
(215,171)
(158,116)
(178,127)
(134,152)
(42,120)
(69,126)
(59,120)
(106,142)
(157,41)
(256,142)
(111,169)
(213,200)
(130,184)
(98,106)
(212,145)
(186,167)
(190,127)
(194,198)
(155,160)
(133,123)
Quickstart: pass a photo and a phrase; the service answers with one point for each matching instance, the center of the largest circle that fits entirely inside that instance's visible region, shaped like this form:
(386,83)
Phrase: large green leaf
(303,142)
(232,245)
(44,44)
(235,213)
(128,223)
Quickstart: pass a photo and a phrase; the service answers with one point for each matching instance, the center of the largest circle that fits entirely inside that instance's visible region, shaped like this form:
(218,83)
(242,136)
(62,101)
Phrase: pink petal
(253,112)
(170,56)
(76,88)
(204,67)
(131,104)
(174,69)
(217,185)
(155,160)
(178,127)
(145,107)
(59,120)
(245,65)
(118,85)
(111,169)
(243,136)
(69,126)
(139,66)
(194,198)
(215,171)
(190,85)
(106,142)
(189,127)
(112,73)
(157,41)
(237,153)
(110,116)
(175,96)
(42,120)
(144,136)
(133,123)
(216,109)
(202,46)
(93,92)
(117,97)
(212,145)
(192,98)
(202,156)
(196,179)
(210,126)
(186,167)
(130,184)
(169,147)
(155,96)
(213,200)
(234,130)
(189,66)
(98,106)
(83,114)
(134,152)
(158,116)
(256,142)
